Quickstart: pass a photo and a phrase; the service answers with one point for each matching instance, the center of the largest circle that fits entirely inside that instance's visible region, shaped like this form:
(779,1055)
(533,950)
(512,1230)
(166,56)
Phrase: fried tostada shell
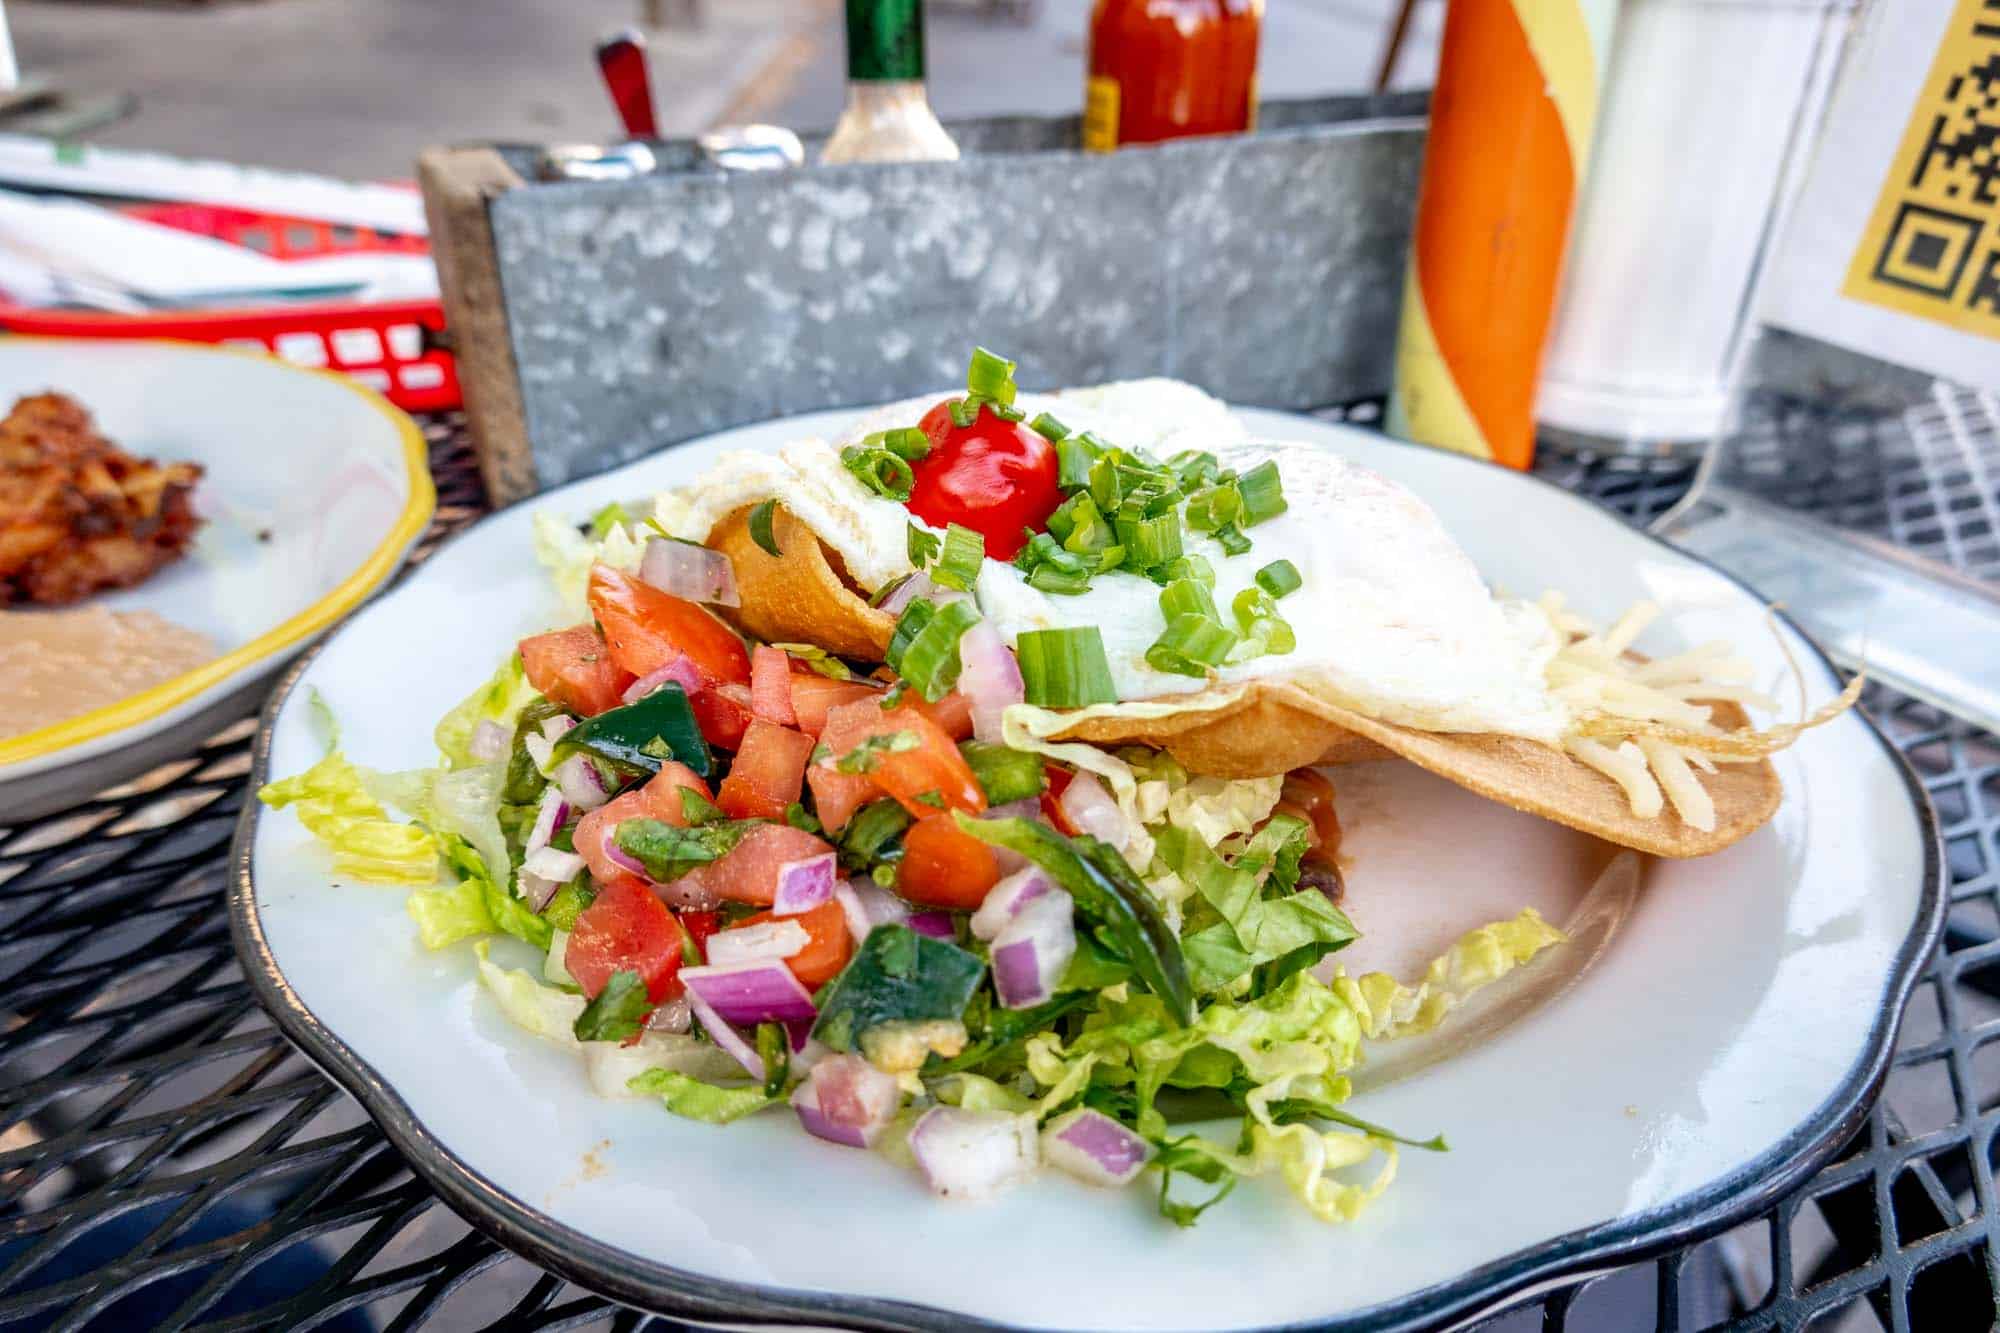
(1263,728)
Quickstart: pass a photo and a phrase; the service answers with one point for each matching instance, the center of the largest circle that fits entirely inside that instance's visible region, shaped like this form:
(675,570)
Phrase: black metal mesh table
(168,1160)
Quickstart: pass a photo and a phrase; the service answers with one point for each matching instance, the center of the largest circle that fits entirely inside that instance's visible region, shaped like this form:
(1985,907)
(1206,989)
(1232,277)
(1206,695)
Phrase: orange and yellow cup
(1510,130)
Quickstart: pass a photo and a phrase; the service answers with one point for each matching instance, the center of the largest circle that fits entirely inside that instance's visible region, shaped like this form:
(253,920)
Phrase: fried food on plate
(1250,606)
(79,515)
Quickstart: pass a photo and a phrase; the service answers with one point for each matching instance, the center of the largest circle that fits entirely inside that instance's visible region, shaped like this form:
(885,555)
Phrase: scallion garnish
(1063,583)
(964,411)
(1064,668)
(1263,495)
(1005,411)
(1195,468)
(990,376)
(1185,597)
(1191,645)
(880,470)
(923,545)
(1074,455)
(1231,540)
(1149,542)
(760,528)
(1279,577)
(907,442)
(1263,629)
(930,661)
(958,566)
(1214,507)
(1048,428)
(908,625)
(1194,567)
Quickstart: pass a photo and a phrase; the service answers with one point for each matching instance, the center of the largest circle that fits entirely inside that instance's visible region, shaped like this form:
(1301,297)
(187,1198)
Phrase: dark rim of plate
(1752,1188)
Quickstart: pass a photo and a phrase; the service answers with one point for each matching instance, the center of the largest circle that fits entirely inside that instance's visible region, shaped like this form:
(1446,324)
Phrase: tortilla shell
(1271,728)
(802,596)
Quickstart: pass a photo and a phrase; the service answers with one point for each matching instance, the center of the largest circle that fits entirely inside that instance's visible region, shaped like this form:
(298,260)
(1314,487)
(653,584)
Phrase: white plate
(1714,1050)
(315,489)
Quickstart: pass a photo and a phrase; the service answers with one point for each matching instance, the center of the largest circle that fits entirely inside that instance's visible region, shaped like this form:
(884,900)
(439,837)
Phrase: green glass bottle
(888,117)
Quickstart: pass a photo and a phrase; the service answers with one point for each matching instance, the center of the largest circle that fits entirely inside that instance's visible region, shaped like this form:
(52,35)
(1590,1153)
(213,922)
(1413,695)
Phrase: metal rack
(169,1161)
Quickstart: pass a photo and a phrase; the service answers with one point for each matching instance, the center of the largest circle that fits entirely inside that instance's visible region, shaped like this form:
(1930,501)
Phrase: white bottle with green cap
(888,118)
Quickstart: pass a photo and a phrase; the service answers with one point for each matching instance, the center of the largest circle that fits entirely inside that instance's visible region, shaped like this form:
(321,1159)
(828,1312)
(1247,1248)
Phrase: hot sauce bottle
(1166,69)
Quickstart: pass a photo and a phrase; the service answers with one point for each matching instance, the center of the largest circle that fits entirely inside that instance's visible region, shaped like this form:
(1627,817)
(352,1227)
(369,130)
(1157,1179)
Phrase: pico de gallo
(745,877)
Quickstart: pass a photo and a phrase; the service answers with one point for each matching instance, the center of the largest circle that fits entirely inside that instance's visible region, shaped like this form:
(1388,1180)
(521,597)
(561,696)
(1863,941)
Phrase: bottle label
(1100,114)
(885,41)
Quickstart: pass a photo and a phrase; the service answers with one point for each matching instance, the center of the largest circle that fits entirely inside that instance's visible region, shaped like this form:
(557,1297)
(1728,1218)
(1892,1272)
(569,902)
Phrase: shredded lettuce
(542,1010)
(568,554)
(1294,931)
(686,1095)
(444,916)
(1389,1009)
(500,699)
(333,802)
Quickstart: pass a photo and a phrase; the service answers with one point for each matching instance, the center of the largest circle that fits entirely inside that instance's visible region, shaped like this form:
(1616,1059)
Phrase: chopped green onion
(1191,645)
(817,660)
(1185,597)
(888,590)
(1064,668)
(1214,507)
(1004,775)
(930,662)
(1105,483)
(923,545)
(868,751)
(1049,579)
(1261,625)
(907,442)
(958,566)
(1279,577)
(1079,526)
(1074,455)
(1150,542)
(1232,540)
(760,528)
(990,376)
(1004,411)
(879,470)
(872,834)
(1195,467)
(911,623)
(964,411)
(608,518)
(1263,494)
(1194,567)
(1048,428)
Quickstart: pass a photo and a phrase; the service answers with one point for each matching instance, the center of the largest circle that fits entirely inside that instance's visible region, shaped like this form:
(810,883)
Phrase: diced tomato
(943,866)
(828,948)
(626,929)
(1059,779)
(647,629)
(723,714)
(749,873)
(659,799)
(837,795)
(767,773)
(699,926)
(933,768)
(771,684)
(1310,796)
(813,694)
(574,669)
(953,714)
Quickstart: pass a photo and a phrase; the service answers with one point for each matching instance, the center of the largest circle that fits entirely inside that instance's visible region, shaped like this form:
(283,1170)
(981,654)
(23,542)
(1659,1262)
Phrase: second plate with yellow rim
(315,489)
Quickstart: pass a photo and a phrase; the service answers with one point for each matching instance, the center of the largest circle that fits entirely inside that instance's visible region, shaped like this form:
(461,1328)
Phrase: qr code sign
(1932,246)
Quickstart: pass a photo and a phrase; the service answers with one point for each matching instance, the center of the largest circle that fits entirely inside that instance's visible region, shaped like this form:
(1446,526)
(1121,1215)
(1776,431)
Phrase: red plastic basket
(392,346)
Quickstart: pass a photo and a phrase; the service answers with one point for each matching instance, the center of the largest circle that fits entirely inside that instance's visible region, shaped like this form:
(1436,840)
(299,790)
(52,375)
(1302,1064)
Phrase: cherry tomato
(995,477)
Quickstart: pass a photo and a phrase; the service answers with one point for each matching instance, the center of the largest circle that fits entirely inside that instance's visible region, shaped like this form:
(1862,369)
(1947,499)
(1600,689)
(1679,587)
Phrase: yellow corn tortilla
(803,596)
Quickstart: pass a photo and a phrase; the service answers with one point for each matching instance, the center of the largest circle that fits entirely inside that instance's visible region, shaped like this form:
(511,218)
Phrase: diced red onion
(937,925)
(1031,952)
(537,890)
(726,1037)
(621,858)
(970,1154)
(803,885)
(917,585)
(693,572)
(680,671)
(542,748)
(868,905)
(1094,811)
(582,785)
(556,727)
(760,992)
(673,1016)
(549,863)
(798,1032)
(489,742)
(691,893)
(1028,807)
(1005,900)
(1091,1146)
(772,941)
(989,677)
(848,1101)
(554,813)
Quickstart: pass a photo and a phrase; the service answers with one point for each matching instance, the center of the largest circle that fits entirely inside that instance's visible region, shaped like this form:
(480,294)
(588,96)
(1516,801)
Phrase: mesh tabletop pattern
(168,1160)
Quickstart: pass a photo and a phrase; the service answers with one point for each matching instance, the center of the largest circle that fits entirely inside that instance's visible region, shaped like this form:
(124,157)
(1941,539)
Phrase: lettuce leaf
(1294,931)
(567,553)
(688,1096)
(331,800)
(1388,1009)
(444,916)
(500,699)
(542,1010)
